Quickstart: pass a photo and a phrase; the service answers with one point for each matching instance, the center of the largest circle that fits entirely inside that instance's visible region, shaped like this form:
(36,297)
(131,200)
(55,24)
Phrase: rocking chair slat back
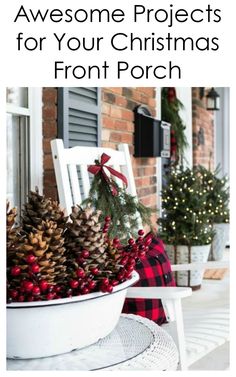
(73,178)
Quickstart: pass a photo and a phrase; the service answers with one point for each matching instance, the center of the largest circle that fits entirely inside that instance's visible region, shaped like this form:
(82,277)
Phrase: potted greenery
(63,277)
(218,206)
(185,225)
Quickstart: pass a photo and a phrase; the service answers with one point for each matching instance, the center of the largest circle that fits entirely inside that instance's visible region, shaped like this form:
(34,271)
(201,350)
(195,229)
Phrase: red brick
(48,162)
(115,137)
(121,101)
(51,192)
(127,138)
(47,145)
(128,115)
(123,125)
(49,95)
(116,112)
(108,122)
(50,112)
(49,129)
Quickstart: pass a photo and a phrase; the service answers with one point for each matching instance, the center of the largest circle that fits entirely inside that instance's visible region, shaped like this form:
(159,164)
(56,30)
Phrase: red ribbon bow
(99,167)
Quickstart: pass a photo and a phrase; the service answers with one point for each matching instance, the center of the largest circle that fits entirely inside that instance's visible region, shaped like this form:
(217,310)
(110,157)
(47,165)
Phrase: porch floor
(211,334)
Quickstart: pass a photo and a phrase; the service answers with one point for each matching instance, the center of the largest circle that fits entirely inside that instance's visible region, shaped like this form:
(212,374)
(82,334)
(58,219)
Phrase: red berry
(148,241)
(103,288)
(139,239)
(35,268)
(107,219)
(15,271)
(129,267)
(13,293)
(36,291)
(142,247)
(116,241)
(131,241)
(85,254)
(43,284)
(30,259)
(57,289)
(74,284)
(141,253)
(128,274)
(80,273)
(114,282)
(92,284)
(94,270)
(121,275)
(141,232)
(30,298)
(21,298)
(132,261)
(28,285)
(109,288)
(50,287)
(124,260)
(85,290)
(50,296)
(105,281)
(80,260)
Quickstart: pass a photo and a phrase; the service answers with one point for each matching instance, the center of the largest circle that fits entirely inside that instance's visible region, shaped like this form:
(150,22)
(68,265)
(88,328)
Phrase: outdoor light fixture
(212,97)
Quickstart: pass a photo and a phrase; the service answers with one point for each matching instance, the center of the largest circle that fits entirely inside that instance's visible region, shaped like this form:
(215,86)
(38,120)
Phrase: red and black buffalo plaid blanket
(154,270)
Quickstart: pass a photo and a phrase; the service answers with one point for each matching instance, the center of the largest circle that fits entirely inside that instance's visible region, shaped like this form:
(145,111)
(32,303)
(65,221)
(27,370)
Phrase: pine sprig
(123,208)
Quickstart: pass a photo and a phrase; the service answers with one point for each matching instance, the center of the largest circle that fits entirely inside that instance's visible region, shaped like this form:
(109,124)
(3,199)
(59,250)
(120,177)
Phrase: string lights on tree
(180,224)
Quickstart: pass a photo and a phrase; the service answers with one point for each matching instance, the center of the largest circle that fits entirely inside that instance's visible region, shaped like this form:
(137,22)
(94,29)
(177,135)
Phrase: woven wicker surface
(136,344)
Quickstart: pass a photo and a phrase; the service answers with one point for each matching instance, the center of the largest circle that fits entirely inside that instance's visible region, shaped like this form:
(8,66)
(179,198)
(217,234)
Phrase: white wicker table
(135,344)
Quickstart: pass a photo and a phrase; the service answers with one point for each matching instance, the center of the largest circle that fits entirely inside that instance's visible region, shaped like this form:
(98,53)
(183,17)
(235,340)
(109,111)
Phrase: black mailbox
(152,136)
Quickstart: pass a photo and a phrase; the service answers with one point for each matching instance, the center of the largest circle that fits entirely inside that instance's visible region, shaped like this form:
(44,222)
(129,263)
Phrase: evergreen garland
(185,220)
(170,107)
(123,208)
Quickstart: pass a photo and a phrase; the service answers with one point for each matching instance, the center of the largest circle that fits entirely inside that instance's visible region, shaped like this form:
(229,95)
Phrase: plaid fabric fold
(154,270)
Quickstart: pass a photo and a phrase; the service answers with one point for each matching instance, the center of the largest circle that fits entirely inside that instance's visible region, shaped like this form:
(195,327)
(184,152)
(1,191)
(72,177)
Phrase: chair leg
(180,334)
(173,309)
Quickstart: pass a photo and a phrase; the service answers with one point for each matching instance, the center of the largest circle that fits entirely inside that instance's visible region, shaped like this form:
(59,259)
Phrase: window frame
(34,114)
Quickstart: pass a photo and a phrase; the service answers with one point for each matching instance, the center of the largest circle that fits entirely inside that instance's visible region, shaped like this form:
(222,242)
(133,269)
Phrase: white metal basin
(46,328)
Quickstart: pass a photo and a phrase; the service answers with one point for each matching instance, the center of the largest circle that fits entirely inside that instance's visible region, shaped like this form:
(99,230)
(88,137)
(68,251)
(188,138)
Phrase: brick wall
(203,124)
(118,127)
(49,132)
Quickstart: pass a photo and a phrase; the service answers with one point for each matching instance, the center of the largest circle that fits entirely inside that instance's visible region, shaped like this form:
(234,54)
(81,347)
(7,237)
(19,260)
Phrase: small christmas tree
(114,201)
(217,194)
(186,219)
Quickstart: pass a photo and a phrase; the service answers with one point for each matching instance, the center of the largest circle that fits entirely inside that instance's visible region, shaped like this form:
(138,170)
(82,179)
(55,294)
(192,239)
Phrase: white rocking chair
(66,163)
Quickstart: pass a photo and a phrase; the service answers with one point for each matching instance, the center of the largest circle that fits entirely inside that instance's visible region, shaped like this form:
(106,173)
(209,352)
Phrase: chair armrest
(162,293)
(200,265)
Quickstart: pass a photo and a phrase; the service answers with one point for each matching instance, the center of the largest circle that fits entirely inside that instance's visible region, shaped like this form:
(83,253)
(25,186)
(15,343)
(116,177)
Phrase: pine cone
(40,209)
(85,240)
(44,215)
(15,237)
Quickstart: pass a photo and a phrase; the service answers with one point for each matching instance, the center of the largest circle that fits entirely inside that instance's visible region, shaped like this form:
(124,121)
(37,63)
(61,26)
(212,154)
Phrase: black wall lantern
(152,136)
(213,99)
